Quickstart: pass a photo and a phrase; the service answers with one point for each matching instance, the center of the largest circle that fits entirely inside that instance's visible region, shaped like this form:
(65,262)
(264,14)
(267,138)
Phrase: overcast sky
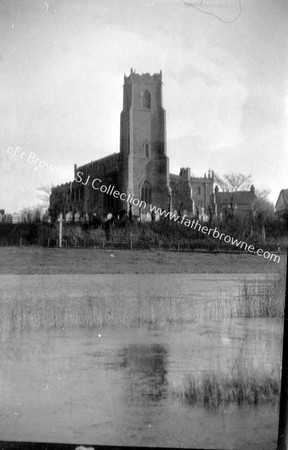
(62,63)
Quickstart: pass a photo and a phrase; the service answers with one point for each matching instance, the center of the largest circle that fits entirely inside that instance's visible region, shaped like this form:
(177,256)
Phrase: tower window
(146,192)
(146,100)
(146,150)
(199,190)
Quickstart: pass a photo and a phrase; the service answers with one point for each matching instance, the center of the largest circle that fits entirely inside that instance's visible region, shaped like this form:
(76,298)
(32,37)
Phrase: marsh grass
(91,311)
(215,390)
(243,385)
(255,299)
(262,300)
(142,308)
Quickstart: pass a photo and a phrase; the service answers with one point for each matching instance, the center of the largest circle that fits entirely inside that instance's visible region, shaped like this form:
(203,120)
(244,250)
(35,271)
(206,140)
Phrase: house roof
(284,194)
(238,197)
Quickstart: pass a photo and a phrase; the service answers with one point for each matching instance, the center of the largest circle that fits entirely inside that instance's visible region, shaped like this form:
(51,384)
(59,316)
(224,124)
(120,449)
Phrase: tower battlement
(134,77)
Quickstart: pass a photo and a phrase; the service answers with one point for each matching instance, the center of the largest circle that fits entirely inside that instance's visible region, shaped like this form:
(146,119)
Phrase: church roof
(105,159)
(238,197)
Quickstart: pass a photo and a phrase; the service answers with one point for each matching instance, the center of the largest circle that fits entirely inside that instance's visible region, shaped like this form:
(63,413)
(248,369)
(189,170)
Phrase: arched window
(146,99)
(146,192)
(146,150)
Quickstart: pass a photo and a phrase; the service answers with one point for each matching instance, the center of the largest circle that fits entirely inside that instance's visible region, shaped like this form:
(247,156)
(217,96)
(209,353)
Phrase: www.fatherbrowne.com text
(184,220)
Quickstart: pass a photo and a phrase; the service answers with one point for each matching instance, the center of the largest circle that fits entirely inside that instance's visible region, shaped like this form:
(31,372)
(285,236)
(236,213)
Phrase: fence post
(103,243)
(130,244)
(48,242)
(21,242)
(60,230)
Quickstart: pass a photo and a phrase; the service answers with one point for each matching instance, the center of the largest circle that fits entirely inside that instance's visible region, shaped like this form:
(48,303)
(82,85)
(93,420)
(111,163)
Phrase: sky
(62,63)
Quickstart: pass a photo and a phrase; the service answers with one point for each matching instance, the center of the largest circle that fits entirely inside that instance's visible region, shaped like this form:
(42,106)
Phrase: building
(238,203)
(281,207)
(192,195)
(138,176)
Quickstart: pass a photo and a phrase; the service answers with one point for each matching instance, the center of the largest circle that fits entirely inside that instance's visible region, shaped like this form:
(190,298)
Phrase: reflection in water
(145,367)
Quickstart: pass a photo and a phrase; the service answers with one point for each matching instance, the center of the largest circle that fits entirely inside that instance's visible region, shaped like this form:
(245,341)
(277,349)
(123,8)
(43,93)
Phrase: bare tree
(232,182)
(27,213)
(262,205)
(263,194)
(262,210)
(35,212)
(31,213)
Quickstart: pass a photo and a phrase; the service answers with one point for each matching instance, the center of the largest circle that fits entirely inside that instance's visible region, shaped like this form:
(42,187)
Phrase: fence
(134,243)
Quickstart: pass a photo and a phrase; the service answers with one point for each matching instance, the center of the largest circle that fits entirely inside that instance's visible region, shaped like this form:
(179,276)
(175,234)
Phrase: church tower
(143,141)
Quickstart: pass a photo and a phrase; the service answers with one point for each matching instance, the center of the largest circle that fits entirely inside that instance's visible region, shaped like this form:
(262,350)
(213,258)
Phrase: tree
(262,211)
(262,203)
(27,213)
(232,182)
(31,213)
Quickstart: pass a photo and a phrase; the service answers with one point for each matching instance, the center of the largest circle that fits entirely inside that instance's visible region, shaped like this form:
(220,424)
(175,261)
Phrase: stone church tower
(143,141)
(140,171)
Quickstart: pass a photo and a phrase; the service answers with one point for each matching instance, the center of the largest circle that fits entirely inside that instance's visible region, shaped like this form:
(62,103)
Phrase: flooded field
(117,385)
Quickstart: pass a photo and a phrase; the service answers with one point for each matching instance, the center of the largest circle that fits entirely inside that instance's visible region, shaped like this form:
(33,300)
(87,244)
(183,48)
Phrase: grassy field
(35,260)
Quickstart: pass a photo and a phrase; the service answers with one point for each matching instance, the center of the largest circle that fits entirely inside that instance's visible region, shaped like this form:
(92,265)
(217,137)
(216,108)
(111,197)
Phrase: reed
(91,311)
(215,390)
(240,385)
(142,308)
(258,300)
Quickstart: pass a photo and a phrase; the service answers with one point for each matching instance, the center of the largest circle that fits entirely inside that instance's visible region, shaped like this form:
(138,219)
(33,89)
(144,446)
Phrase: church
(140,170)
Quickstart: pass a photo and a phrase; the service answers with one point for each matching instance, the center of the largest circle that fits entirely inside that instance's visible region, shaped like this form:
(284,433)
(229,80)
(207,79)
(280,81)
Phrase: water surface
(115,386)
